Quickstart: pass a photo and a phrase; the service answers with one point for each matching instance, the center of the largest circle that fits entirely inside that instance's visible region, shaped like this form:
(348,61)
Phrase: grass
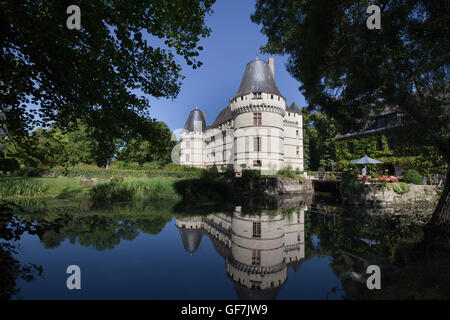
(42,187)
(118,190)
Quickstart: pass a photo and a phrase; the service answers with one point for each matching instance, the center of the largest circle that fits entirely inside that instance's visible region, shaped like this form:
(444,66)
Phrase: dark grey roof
(196,121)
(224,116)
(191,239)
(293,108)
(257,78)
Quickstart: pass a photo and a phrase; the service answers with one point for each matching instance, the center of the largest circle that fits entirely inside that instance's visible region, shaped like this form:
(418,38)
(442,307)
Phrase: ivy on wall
(391,150)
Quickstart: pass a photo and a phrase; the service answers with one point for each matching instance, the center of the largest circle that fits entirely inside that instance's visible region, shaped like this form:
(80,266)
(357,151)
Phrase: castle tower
(193,144)
(258,110)
(257,251)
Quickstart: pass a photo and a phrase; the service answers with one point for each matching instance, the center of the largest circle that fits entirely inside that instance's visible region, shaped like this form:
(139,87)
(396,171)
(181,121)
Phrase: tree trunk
(437,232)
(441,214)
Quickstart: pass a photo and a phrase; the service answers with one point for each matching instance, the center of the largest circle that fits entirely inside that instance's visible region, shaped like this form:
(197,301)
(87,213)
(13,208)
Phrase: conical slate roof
(196,121)
(257,78)
(191,239)
(293,108)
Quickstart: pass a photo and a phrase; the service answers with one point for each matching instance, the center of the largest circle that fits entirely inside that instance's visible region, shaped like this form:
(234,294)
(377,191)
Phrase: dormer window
(242,98)
(271,96)
(257,95)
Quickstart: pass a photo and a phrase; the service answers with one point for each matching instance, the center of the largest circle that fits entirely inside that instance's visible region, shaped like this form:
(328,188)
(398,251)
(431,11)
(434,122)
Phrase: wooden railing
(328,175)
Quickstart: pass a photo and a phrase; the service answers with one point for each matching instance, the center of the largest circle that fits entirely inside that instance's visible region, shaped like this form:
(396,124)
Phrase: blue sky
(234,41)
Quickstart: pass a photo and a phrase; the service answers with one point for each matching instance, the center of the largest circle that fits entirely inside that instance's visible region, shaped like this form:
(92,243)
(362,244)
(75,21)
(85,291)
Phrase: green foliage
(9,165)
(119,189)
(251,174)
(286,172)
(29,172)
(397,187)
(21,188)
(206,189)
(93,73)
(319,133)
(412,176)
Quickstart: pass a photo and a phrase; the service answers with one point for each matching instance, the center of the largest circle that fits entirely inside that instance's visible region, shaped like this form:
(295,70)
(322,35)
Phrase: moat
(283,248)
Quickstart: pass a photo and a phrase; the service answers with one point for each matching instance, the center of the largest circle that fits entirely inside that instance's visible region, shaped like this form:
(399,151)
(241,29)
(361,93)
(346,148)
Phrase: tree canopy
(96,75)
(351,72)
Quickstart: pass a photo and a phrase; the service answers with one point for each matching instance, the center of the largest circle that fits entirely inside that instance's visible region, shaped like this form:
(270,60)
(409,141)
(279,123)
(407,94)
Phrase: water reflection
(260,242)
(257,249)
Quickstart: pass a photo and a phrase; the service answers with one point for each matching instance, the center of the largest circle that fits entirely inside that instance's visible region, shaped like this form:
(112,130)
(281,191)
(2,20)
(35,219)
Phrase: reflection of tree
(11,229)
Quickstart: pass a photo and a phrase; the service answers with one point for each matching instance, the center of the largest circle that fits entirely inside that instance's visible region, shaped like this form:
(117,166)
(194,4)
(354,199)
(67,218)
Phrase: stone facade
(256,130)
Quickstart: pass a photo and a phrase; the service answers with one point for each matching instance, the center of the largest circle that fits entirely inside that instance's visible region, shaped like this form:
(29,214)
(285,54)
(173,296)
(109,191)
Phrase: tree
(349,71)
(154,147)
(95,75)
(319,133)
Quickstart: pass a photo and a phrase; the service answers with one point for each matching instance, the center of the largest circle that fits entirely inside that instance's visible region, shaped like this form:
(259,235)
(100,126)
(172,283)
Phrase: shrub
(397,187)
(412,176)
(29,172)
(251,174)
(9,165)
(286,172)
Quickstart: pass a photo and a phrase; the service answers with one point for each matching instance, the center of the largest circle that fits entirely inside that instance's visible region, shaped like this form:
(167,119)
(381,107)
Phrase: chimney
(272,66)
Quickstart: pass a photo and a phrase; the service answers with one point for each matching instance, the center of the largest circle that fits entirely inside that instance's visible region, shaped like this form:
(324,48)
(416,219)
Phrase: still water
(290,248)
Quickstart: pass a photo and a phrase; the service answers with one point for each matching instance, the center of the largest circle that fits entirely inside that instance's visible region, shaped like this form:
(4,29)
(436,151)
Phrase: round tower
(192,140)
(258,110)
(257,251)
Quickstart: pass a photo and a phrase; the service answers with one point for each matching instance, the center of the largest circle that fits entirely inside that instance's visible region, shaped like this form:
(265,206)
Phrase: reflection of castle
(257,249)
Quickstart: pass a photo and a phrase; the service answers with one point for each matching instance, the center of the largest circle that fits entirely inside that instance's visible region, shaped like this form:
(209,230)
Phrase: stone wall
(373,194)
(273,186)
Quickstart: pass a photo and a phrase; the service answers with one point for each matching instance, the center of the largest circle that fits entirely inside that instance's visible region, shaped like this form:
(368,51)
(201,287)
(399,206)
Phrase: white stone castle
(256,130)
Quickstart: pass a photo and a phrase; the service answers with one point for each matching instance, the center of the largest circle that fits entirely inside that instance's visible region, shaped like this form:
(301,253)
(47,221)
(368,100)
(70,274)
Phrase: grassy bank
(42,187)
(117,190)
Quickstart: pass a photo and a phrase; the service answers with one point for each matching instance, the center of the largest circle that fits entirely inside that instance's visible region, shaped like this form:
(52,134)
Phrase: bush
(286,172)
(29,172)
(397,187)
(251,174)
(412,176)
(9,165)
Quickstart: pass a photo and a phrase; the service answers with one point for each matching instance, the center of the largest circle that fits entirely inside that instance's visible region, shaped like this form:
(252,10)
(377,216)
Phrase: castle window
(296,131)
(257,163)
(188,144)
(256,229)
(242,98)
(224,155)
(298,150)
(271,96)
(257,144)
(257,118)
(187,158)
(256,257)
(213,138)
(224,133)
(256,95)
(289,114)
